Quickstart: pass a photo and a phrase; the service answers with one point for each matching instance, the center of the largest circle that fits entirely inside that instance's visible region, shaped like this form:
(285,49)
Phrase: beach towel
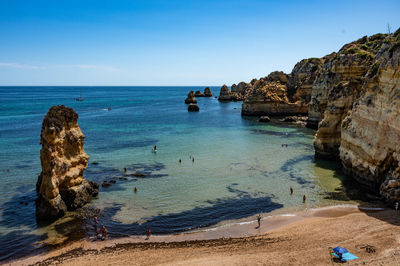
(346,256)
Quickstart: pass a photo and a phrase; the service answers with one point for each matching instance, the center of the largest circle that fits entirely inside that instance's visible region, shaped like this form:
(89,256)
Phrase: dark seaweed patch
(215,212)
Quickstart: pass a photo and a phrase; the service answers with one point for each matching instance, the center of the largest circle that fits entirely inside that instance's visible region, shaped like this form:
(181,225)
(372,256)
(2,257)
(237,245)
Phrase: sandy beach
(292,239)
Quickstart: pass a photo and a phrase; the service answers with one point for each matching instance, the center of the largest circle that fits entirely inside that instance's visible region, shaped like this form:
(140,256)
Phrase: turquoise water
(240,167)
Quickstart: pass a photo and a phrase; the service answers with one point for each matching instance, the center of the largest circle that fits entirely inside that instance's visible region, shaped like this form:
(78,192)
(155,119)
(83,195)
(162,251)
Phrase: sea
(231,168)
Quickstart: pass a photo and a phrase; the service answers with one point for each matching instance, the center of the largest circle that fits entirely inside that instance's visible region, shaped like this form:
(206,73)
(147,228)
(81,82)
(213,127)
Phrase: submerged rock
(61,185)
(264,119)
(190,98)
(193,107)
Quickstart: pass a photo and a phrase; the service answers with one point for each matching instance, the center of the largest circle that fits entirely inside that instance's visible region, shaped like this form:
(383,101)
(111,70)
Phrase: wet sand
(299,238)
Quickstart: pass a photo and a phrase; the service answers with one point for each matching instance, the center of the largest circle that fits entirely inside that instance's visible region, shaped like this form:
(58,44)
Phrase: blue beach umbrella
(340,250)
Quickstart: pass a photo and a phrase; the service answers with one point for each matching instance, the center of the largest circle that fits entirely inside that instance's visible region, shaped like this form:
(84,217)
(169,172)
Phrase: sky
(175,42)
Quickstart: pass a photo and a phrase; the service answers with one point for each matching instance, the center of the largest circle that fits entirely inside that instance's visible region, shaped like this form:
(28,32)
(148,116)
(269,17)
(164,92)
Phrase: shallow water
(240,167)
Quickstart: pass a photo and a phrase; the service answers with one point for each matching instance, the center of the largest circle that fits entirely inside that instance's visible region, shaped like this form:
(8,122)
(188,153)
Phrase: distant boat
(80,98)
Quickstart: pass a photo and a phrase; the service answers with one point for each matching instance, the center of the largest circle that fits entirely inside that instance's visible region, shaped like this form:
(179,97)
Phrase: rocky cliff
(335,90)
(350,63)
(370,132)
(61,185)
(280,93)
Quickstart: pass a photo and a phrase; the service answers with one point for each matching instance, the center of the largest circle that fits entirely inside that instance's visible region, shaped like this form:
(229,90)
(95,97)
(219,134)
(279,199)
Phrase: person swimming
(155,149)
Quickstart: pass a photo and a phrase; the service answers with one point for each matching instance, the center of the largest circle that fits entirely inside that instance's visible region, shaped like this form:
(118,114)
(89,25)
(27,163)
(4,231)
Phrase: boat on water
(80,98)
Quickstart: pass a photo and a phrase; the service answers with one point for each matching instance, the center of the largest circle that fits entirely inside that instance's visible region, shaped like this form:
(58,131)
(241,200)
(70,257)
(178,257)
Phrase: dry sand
(302,238)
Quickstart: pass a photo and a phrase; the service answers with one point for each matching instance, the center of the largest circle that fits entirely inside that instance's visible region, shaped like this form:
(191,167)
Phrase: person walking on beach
(304,198)
(259,220)
(291,191)
(148,233)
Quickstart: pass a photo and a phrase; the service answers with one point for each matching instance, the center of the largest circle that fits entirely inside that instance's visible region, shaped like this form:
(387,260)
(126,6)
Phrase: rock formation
(225,94)
(198,94)
(264,119)
(280,93)
(337,87)
(240,88)
(350,63)
(207,92)
(193,107)
(190,98)
(370,133)
(60,185)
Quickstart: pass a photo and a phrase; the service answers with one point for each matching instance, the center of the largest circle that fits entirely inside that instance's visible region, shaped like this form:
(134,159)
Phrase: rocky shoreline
(352,99)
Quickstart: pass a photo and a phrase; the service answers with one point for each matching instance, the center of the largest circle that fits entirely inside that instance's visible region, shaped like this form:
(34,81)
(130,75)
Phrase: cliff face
(60,185)
(282,94)
(370,133)
(336,88)
(350,63)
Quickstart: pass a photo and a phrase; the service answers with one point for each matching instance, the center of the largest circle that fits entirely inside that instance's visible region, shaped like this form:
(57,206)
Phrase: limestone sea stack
(190,98)
(225,94)
(60,185)
(207,92)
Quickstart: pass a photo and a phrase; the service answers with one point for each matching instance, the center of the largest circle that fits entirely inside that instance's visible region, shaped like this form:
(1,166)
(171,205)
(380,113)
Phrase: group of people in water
(291,193)
(304,196)
(103,234)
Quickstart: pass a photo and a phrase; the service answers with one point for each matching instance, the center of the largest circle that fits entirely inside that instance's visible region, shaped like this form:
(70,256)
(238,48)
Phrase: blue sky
(102,42)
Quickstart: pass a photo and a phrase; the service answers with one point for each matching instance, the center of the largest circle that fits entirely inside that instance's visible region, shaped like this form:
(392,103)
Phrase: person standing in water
(259,220)
(304,198)
(155,148)
(291,191)
(103,232)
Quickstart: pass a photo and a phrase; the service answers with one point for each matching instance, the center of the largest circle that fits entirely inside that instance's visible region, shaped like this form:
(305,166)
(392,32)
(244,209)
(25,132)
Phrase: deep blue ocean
(240,167)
